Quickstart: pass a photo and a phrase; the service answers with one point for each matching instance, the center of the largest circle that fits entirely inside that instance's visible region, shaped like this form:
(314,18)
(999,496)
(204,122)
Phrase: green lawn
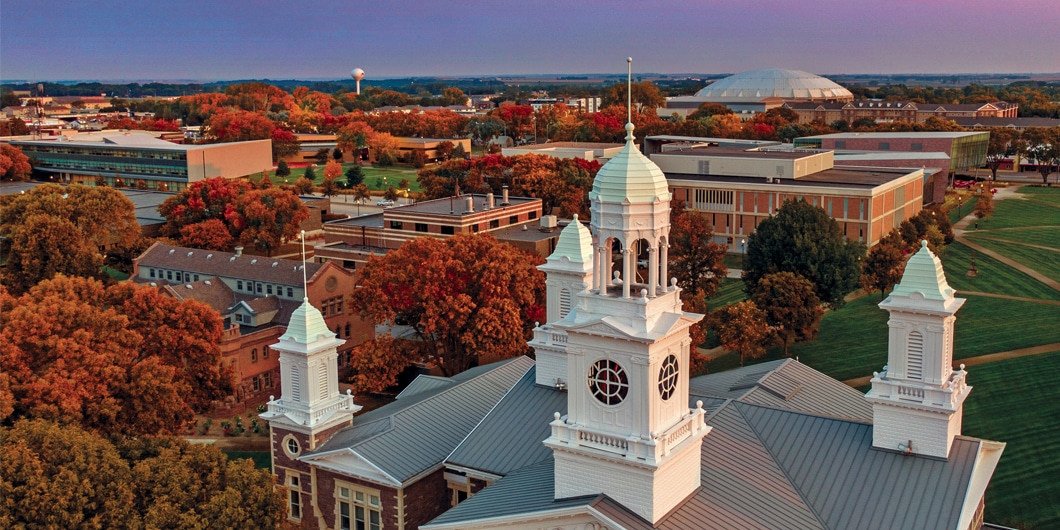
(1012,213)
(729,292)
(1013,402)
(956,213)
(262,459)
(993,276)
(1050,195)
(377,179)
(733,261)
(1046,236)
(1040,260)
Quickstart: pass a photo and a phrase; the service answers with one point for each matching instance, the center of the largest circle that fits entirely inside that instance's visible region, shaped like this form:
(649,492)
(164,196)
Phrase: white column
(663,262)
(627,271)
(653,270)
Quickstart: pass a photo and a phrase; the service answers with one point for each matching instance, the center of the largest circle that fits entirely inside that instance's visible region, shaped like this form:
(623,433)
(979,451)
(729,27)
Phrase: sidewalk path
(981,359)
(960,226)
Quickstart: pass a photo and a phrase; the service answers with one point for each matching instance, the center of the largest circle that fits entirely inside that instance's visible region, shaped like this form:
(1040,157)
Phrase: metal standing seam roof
(419,433)
(765,465)
(510,437)
(530,490)
(423,383)
(850,485)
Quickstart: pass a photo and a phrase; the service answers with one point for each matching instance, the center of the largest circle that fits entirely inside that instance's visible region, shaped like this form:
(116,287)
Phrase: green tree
(741,328)
(386,159)
(1043,145)
(322,155)
(354,176)
(792,308)
(283,170)
(804,239)
(882,268)
(310,173)
(1004,143)
(458,152)
(337,154)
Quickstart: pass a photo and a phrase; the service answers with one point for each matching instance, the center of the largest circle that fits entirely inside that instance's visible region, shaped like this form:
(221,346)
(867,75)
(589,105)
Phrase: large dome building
(760,90)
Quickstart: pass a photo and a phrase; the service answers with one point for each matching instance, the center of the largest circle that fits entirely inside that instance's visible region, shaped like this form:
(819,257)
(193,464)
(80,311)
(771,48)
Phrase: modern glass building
(137,159)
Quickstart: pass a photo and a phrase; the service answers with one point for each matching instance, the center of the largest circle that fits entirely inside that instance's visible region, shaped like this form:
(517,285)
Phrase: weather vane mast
(305,283)
(629,99)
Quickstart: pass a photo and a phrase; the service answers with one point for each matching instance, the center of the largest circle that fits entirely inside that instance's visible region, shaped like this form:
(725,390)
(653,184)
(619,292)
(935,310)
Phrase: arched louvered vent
(915,352)
(296,385)
(564,302)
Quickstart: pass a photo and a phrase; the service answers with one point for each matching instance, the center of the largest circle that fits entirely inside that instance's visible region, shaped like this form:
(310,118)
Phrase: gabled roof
(797,460)
(530,491)
(414,435)
(227,264)
(423,383)
(510,436)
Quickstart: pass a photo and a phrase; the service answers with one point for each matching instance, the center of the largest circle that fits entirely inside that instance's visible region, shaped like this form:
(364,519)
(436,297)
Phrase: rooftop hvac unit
(548,222)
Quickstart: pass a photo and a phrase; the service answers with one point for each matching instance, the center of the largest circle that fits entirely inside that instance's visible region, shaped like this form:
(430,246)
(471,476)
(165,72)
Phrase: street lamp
(958,207)
(743,245)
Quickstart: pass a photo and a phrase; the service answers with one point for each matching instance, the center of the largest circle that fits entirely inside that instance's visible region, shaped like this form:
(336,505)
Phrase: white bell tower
(629,432)
(918,399)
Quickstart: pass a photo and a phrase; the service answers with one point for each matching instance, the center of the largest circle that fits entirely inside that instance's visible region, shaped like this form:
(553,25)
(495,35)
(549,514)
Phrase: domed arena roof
(756,85)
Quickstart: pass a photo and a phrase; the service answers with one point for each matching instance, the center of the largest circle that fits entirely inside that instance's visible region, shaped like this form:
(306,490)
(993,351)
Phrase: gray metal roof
(530,490)
(510,437)
(786,451)
(742,486)
(423,383)
(786,384)
(850,485)
(410,436)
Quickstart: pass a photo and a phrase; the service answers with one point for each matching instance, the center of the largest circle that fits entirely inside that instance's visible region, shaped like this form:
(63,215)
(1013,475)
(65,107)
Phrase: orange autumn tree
(121,359)
(270,217)
(465,298)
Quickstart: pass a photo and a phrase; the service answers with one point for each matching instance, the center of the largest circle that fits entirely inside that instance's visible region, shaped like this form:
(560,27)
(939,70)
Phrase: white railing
(603,441)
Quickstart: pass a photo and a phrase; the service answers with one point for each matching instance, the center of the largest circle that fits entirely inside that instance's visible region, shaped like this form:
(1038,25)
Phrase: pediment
(348,462)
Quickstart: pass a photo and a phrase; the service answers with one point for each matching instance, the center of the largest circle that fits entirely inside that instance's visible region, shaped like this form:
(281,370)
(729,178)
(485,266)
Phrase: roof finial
(629,99)
(305,283)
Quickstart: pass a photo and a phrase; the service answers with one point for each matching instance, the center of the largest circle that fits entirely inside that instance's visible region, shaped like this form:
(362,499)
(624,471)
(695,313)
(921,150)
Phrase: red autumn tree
(791,306)
(466,297)
(115,360)
(695,260)
(742,328)
(14,166)
(212,198)
(270,217)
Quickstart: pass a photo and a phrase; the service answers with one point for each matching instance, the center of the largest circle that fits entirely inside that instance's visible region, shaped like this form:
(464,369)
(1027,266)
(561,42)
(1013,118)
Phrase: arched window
(915,356)
(254,355)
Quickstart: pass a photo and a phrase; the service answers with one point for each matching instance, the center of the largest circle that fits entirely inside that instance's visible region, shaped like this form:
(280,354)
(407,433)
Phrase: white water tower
(357,74)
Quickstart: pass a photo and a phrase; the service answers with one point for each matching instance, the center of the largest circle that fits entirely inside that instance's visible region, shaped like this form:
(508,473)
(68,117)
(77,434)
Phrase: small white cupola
(568,271)
(918,398)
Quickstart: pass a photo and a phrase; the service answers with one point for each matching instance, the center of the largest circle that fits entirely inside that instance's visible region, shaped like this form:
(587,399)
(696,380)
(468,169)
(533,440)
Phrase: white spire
(629,99)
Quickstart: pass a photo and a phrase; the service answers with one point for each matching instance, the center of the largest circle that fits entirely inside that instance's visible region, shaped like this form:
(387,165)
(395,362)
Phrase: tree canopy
(264,218)
(464,297)
(14,165)
(742,328)
(791,308)
(804,239)
(55,476)
(695,260)
(55,229)
(122,358)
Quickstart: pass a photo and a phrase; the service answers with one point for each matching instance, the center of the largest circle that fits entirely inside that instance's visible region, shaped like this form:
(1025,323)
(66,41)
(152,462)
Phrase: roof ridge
(446,390)
(803,413)
(490,411)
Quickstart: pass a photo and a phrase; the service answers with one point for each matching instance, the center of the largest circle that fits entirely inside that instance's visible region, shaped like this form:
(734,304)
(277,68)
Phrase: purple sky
(229,39)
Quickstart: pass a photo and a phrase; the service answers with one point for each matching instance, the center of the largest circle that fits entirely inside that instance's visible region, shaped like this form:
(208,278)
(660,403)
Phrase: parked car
(385,203)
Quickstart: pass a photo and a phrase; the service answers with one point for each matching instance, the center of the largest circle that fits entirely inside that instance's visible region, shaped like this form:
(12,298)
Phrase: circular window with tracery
(668,377)
(608,382)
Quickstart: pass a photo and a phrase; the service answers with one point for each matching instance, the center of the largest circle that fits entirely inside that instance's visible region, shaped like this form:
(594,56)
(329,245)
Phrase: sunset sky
(209,40)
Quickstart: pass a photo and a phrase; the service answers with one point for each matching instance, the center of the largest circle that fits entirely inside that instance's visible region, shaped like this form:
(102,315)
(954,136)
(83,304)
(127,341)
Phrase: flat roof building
(515,220)
(601,152)
(966,149)
(136,159)
(737,186)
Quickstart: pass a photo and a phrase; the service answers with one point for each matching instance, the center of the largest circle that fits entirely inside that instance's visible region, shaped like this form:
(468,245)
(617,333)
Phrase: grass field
(1013,402)
(1046,236)
(262,459)
(732,261)
(730,291)
(377,179)
(1039,260)
(1050,195)
(993,277)
(1012,213)
(957,213)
